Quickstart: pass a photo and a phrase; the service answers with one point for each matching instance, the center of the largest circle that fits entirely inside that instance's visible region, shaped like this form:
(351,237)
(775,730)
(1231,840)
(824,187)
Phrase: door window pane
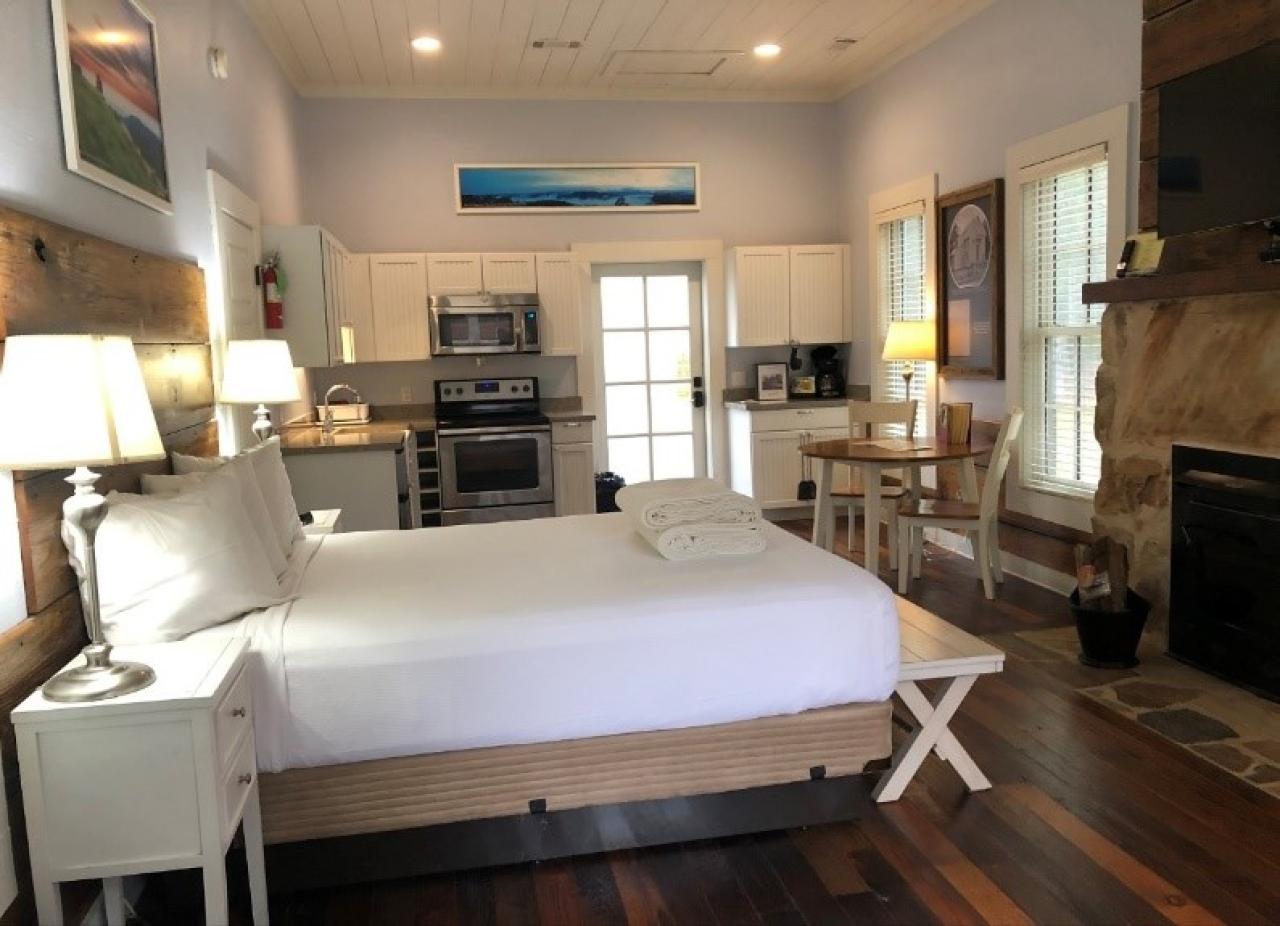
(626,410)
(624,357)
(622,302)
(668,354)
(672,408)
(668,301)
(673,456)
(629,458)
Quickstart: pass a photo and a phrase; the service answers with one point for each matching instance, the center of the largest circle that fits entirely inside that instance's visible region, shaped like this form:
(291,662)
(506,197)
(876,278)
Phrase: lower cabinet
(365,484)
(573,467)
(765,451)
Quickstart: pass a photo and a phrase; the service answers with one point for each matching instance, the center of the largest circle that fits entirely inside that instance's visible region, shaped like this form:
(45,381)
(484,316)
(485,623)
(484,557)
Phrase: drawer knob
(246,778)
(237,712)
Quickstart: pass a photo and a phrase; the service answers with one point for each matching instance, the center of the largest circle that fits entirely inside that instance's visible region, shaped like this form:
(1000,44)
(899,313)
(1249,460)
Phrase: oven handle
(504,432)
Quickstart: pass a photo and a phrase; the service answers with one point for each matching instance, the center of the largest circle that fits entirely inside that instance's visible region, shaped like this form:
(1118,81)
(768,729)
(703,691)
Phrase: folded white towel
(668,502)
(699,541)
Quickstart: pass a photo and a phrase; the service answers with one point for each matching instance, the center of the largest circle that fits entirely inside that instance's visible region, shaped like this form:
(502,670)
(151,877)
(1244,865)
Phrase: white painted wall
(243,127)
(1016,70)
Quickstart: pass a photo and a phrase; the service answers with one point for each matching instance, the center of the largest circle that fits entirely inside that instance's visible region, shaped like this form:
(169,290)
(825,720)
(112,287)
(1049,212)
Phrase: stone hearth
(1200,370)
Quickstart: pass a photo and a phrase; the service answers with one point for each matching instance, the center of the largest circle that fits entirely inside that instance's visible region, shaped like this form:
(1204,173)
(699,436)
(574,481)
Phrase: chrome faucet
(327,425)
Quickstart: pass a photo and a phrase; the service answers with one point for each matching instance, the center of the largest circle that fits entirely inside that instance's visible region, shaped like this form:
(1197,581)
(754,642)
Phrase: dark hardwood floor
(1092,820)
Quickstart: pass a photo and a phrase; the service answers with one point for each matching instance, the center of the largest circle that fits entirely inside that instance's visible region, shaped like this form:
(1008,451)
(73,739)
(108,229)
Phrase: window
(1064,246)
(901,297)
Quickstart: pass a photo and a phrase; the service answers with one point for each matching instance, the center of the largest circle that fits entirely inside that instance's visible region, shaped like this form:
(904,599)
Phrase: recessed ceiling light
(426,43)
(767,50)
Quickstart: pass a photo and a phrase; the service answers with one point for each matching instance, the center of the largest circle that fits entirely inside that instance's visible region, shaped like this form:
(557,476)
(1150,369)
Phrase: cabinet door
(360,343)
(775,467)
(574,475)
(399,285)
(333,259)
(818,293)
(760,297)
(454,274)
(509,273)
(561,282)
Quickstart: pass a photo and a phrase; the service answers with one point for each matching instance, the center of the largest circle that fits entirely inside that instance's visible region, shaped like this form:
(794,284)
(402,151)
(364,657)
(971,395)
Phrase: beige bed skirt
(477,784)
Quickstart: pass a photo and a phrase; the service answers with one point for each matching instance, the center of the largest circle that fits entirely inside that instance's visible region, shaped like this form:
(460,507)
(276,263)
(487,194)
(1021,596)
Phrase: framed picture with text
(970,226)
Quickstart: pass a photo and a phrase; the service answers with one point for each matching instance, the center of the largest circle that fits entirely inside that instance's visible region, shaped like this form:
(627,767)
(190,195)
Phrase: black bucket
(607,486)
(1109,639)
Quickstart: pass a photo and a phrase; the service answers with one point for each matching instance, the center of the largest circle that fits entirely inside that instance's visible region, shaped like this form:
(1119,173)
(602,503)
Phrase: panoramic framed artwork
(971,282)
(541,188)
(109,83)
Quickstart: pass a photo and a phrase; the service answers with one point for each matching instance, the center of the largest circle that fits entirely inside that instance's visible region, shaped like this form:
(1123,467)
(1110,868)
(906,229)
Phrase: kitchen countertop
(568,415)
(753,405)
(309,438)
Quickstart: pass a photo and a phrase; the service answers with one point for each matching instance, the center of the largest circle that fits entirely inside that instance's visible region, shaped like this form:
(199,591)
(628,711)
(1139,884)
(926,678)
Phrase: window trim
(1052,152)
(915,197)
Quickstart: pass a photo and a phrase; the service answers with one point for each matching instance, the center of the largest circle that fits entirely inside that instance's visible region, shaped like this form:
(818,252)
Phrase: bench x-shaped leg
(932,734)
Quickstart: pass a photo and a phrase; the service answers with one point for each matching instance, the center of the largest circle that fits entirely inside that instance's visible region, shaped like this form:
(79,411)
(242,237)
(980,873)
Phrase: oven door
(480,468)
(470,331)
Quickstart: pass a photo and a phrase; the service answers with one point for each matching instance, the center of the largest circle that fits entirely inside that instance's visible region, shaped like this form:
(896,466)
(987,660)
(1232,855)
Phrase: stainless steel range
(495,451)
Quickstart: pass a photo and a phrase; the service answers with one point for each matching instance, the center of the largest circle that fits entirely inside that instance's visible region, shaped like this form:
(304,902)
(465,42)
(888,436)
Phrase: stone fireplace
(1203,370)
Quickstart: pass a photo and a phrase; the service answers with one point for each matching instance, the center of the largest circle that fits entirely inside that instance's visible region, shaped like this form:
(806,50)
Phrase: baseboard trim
(1033,572)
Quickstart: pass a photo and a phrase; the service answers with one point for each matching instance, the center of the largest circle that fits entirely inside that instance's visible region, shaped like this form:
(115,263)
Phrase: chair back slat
(866,417)
(1000,454)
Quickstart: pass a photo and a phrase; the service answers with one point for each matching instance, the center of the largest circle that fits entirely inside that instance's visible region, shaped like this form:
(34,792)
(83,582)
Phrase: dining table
(873,456)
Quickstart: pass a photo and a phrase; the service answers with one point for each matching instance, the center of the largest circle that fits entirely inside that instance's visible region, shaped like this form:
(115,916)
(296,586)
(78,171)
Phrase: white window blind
(1064,246)
(902,298)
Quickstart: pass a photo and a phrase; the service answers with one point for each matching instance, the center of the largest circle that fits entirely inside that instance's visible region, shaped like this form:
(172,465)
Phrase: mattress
(403,643)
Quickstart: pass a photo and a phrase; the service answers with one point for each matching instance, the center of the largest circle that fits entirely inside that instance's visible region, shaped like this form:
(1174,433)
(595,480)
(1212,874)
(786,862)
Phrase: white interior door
(235,296)
(650,370)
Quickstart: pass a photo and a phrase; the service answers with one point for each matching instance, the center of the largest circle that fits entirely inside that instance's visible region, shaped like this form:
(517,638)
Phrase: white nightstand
(151,781)
(326,521)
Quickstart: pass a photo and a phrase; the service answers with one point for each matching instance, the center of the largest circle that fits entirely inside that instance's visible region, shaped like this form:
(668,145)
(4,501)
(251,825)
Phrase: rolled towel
(700,541)
(668,502)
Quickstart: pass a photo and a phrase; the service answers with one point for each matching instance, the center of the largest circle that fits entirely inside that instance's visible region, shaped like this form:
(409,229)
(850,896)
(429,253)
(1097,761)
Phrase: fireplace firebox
(1224,603)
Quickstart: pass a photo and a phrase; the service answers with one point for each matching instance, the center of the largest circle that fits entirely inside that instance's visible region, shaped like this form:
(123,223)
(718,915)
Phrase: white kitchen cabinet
(573,467)
(359,341)
(764,447)
(780,295)
(561,286)
(455,274)
(315,268)
(398,283)
(363,483)
(509,273)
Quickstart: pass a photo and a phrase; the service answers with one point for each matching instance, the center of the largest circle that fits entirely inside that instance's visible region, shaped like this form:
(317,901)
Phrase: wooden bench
(933,649)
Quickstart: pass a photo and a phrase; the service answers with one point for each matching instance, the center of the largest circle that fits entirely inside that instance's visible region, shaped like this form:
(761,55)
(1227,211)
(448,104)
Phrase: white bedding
(403,643)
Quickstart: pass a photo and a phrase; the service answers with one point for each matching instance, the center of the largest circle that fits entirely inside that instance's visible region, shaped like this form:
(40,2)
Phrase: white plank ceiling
(597,49)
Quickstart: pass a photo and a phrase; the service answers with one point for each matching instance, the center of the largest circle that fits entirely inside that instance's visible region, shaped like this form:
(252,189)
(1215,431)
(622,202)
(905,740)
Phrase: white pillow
(250,497)
(171,565)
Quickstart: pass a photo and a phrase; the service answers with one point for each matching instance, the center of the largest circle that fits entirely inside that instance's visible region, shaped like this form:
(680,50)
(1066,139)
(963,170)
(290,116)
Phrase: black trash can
(607,486)
(1109,639)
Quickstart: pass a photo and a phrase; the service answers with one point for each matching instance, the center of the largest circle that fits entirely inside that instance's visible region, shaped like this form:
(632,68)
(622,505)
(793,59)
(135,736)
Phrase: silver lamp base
(98,679)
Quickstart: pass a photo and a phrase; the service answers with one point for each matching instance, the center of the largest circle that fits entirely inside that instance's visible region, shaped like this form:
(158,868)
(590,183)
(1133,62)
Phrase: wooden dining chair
(868,419)
(915,515)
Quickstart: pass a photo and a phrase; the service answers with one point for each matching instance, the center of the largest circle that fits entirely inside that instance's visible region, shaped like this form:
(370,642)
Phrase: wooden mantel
(1228,279)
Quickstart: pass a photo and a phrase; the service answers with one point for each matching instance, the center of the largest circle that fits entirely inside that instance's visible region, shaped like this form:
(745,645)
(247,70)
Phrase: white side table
(325,521)
(151,781)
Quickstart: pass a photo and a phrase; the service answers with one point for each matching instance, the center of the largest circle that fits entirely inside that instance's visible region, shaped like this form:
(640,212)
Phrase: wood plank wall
(56,280)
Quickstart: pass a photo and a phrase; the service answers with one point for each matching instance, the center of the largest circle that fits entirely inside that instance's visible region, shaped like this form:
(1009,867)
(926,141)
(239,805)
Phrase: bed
(427,677)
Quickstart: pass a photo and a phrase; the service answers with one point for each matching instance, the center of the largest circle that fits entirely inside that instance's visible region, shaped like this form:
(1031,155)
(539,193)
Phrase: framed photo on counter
(771,382)
(971,282)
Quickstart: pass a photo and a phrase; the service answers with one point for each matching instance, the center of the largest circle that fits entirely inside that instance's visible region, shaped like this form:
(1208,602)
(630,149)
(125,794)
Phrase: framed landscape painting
(971,282)
(540,188)
(109,82)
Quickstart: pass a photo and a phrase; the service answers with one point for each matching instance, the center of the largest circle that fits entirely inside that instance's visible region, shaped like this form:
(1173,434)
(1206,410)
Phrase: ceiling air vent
(643,63)
(556,43)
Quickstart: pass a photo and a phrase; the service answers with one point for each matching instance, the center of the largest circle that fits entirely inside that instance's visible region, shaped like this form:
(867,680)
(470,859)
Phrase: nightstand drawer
(233,718)
(236,784)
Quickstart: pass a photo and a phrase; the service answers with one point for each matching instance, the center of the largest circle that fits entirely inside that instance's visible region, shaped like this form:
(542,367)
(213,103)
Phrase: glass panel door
(651,353)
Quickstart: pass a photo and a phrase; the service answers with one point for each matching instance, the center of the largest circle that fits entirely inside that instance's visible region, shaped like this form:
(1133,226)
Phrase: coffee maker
(828,369)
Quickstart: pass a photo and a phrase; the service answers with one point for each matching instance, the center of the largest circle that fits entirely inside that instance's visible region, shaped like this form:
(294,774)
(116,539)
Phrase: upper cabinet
(455,274)
(315,268)
(399,291)
(561,286)
(509,273)
(780,295)
(358,340)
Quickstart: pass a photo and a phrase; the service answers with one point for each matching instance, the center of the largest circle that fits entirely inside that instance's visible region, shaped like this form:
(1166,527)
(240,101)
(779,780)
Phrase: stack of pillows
(197,548)
(693,518)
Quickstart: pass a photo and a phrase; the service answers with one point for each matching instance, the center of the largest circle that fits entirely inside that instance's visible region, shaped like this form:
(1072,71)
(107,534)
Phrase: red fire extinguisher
(273,292)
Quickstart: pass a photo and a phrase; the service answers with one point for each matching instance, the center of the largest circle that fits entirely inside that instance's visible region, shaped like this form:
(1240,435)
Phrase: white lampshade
(258,372)
(74,400)
(910,341)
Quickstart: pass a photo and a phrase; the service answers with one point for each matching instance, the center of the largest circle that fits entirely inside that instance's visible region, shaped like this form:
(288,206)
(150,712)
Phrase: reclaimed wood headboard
(55,280)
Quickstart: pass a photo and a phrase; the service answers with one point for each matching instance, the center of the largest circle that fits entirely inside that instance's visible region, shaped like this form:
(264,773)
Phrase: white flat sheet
(402,643)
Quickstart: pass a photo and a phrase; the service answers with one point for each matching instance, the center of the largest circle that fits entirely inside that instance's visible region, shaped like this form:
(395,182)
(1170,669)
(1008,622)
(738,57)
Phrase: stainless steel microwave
(494,324)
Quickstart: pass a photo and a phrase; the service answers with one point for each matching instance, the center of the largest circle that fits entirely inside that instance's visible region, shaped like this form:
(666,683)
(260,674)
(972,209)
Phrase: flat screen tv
(1220,144)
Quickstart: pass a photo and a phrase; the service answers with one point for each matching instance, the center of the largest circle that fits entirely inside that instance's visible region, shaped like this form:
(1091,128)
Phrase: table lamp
(79,400)
(255,373)
(910,341)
